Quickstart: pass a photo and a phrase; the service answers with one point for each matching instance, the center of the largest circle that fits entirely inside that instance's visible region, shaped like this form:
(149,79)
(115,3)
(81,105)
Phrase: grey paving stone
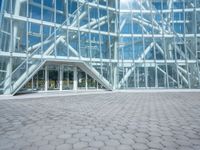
(64,147)
(86,139)
(196,147)
(84,131)
(109,133)
(72,131)
(155,145)
(47,147)
(7,147)
(101,138)
(140,140)
(184,142)
(97,129)
(111,121)
(108,148)
(72,140)
(39,142)
(56,142)
(169,143)
(186,148)
(143,135)
(92,134)
(78,135)
(126,141)
(97,144)
(112,143)
(154,139)
(124,147)
(64,136)
(115,136)
(90,148)
(80,145)
(15,136)
(139,146)
(195,142)
(49,137)
(29,148)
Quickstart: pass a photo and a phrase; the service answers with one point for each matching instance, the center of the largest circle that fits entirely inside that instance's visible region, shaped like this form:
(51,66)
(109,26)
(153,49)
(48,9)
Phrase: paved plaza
(105,121)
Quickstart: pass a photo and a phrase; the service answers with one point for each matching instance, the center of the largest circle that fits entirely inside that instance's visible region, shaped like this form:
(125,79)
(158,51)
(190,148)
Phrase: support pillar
(61,77)
(37,84)
(86,83)
(46,78)
(138,78)
(75,78)
(115,78)
(13,30)
(32,84)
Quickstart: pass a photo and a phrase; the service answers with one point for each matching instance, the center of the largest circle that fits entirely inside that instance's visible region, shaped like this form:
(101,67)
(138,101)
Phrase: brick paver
(121,120)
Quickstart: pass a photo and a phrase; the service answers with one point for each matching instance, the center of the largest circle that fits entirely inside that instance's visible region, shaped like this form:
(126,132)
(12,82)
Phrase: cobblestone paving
(121,121)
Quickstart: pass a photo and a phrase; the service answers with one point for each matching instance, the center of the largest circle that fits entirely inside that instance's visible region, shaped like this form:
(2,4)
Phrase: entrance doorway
(53,77)
(61,77)
(68,78)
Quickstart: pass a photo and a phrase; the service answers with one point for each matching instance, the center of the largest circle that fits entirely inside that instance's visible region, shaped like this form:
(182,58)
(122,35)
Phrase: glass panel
(68,78)
(141,76)
(81,79)
(39,80)
(53,78)
(92,84)
(132,80)
(172,76)
(151,77)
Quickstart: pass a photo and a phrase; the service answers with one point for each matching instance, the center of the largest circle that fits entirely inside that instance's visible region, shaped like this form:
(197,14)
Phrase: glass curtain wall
(122,43)
(158,44)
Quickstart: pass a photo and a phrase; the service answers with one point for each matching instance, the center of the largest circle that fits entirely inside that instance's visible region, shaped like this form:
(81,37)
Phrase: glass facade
(92,44)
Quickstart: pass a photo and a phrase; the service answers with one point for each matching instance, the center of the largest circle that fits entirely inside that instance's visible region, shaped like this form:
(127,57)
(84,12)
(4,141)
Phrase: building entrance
(62,77)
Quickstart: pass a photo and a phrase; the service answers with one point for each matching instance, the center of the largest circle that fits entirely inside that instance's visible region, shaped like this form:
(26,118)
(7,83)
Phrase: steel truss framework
(121,44)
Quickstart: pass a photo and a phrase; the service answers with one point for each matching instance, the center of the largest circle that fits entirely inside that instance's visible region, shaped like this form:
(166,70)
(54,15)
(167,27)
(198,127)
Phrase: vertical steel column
(13,31)
(109,43)
(165,50)
(100,41)
(133,48)
(61,77)
(115,46)
(143,45)
(27,43)
(185,45)
(37,83)
(154,50)
(175,51)
(55,48)
(86,83)
(196,42)
(78,25)
(75,78)
(46,78)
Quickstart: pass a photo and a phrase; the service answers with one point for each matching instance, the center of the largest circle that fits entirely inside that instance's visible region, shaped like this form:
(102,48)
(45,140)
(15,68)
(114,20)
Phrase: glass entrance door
(68,78)
(81,79)
(53,77)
